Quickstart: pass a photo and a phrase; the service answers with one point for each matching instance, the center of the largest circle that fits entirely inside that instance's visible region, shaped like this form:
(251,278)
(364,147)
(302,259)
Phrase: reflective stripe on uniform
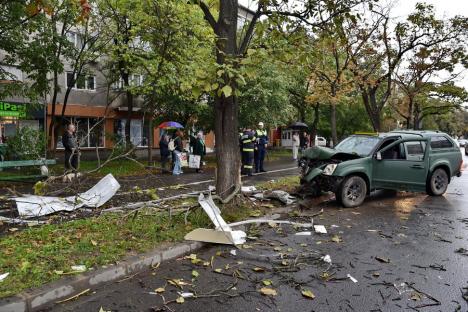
(246,141)
(247,149)
(248,166)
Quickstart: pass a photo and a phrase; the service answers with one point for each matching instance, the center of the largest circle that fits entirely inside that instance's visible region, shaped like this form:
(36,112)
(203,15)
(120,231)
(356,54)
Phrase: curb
(44,296)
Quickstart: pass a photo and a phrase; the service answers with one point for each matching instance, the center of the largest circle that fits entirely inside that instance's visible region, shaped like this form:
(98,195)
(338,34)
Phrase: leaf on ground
(376,274)
(382,259)
(256,213)
(416,296)
(102,310)
(195,274)
(191,257)
(177,282)
(245,246)
(336,239)
(94,243)
(277,249)
(285,262)
(303,245)
(180,300)
(272,224)
(267,282)
(160,290)
(258,269)
(218,270)
(268,291)
(308,293)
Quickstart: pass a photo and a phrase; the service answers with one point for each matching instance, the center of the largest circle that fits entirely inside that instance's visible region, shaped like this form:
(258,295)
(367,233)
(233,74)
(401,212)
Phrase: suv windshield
(358,145)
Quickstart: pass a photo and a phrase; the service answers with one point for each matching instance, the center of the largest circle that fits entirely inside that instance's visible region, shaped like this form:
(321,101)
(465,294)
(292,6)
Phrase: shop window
(81,82)
(138,132)
(89,132)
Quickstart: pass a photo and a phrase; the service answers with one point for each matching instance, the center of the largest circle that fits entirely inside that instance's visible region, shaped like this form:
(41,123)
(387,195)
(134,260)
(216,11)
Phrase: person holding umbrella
(178,144)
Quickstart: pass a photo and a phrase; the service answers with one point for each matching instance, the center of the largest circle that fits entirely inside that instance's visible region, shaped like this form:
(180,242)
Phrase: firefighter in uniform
(260,147)
(247,142)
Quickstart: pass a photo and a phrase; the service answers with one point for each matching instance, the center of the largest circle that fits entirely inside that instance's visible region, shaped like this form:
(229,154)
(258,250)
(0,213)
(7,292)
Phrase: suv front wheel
(352,191)
(437,183)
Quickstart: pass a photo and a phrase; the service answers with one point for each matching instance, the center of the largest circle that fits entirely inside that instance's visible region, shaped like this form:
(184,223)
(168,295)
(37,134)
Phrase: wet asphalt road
(418,235)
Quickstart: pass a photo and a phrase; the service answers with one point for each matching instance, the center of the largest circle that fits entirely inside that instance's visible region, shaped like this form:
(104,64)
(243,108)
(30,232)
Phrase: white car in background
(320,141)
(462,142)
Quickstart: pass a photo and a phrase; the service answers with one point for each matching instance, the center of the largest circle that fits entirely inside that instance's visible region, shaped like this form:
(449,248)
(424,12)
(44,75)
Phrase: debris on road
(306,233)
(222,234)
(320,229)
(282,196)
(31,206)
(248,189)
(383,260)
(326,259)
(351,278)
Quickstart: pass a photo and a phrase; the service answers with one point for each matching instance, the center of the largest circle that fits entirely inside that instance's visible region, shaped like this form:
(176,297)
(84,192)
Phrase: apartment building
(95,105)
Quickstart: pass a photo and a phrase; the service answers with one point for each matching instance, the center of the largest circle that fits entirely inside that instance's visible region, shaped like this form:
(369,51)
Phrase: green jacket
(199,148)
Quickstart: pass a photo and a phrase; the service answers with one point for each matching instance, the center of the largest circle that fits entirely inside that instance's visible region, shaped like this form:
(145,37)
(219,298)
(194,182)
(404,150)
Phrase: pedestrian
(247,142)
(178,149)
(295,144)
(303,141)
(70,145)
(199,149)
(164,152)
(261,145)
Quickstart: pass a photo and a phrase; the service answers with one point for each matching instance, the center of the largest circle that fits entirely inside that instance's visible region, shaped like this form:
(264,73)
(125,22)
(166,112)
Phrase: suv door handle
(417,167)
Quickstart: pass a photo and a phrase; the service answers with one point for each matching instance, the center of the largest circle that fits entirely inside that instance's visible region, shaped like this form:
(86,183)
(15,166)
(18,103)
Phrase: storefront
(14,116)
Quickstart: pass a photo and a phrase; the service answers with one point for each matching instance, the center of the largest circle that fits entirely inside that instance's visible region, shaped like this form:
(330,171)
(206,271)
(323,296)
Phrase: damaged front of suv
(322,168)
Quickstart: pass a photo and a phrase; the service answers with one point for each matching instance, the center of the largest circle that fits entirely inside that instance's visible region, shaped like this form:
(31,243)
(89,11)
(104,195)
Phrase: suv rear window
(440,142)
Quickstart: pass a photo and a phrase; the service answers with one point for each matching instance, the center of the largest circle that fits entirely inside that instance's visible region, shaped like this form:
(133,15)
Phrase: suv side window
(440,142)
(397,152)
(415,150)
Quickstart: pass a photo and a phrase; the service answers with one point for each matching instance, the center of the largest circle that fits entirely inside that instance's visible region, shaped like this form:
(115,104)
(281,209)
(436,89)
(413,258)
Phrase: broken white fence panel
(352,278)
(34,206)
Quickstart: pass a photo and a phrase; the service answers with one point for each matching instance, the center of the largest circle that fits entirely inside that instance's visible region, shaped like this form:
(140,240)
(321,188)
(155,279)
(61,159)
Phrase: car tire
(437,183)
(352,191)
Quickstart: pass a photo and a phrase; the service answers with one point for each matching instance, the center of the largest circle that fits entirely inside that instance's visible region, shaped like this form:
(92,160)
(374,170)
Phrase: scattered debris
(233,252)
(21,221)
(320,229)
(308,294)
(462,251)
(3,276)
(268,291)
(78,268)
(222,234)
(282,196)
(31,206)
(326,259)
(248,189)
(336,239)
(351,278)
(307,233)
(383,260)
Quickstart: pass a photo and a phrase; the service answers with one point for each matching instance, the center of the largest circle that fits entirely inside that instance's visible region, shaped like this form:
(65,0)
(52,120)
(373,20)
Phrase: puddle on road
(405,205)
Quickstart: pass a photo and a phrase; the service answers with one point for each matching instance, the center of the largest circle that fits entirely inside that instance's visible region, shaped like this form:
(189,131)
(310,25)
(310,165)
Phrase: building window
(76,39)
(81,82)
(11,73)
(134,80)
(138,132)
(89,132)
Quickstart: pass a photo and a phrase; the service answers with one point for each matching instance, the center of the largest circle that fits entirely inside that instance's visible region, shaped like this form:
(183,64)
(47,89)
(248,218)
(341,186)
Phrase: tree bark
(313,132)
(333,124)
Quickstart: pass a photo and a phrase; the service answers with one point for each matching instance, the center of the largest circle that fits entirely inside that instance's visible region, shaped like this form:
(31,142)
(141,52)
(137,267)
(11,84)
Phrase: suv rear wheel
(352,191)
(438,182)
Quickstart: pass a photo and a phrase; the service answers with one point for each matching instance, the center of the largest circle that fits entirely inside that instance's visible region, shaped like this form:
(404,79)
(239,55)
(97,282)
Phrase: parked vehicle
(320,141)
(466,149)
(462,142)
(417,161)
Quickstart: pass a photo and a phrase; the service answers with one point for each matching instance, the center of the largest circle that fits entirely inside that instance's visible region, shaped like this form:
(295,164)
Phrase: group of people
(173,147)
(253,146)
(299,141)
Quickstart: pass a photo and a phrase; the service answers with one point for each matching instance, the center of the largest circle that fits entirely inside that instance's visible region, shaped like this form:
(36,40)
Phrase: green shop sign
(12,110)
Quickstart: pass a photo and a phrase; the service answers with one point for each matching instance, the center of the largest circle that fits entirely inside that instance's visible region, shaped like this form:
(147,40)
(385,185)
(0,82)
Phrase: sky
(443,8)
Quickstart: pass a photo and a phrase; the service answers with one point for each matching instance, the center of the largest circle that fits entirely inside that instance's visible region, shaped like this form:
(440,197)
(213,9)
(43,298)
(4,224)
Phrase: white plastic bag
(194,161)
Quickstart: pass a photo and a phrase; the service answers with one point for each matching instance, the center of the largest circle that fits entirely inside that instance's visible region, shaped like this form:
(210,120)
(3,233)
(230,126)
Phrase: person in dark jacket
(178,148)
(199,149)
(164,151)
(71,148)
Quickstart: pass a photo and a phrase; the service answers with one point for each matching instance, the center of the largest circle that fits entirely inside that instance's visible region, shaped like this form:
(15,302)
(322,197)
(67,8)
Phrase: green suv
(417,161)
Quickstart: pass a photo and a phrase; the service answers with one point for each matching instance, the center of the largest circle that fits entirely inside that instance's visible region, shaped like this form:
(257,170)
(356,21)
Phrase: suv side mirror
(378,156)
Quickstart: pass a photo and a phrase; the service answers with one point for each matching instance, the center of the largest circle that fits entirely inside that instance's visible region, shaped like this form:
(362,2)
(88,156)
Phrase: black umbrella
(298,126)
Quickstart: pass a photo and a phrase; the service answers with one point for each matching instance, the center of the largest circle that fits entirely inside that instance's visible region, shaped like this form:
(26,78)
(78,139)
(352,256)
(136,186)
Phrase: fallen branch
(75,296)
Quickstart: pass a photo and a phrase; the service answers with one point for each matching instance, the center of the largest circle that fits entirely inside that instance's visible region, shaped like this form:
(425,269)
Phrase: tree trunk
(313,132)
(372,108)
(227,108)
(128,141)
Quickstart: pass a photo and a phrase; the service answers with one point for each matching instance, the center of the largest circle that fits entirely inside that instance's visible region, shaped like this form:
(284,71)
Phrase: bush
(27,144)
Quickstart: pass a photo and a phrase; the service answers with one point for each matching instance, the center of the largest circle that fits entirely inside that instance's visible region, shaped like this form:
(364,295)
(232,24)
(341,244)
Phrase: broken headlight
(329,169)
